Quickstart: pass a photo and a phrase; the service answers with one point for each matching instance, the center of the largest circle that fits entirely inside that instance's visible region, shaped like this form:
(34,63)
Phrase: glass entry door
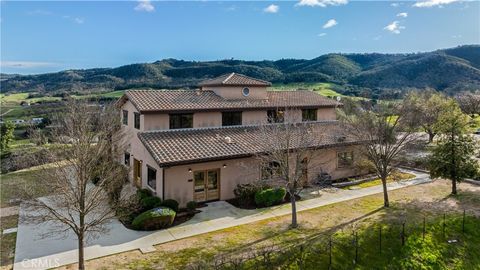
(206,185)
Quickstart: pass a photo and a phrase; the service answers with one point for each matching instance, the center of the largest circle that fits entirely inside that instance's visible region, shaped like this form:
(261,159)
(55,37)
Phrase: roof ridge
(228,78)
(233,127)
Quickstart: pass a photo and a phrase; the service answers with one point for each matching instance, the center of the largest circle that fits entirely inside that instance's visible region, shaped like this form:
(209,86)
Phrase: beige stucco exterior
(235,92)
(326,114)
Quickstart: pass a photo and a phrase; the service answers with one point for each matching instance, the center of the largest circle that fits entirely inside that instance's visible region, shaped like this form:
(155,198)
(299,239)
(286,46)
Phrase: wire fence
(349,248)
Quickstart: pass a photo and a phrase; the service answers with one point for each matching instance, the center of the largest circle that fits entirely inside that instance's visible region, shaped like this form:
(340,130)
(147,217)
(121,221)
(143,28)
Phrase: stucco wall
(235,92)
(254,117)
(326,114)
(207,119)
(157,121)
(245,170)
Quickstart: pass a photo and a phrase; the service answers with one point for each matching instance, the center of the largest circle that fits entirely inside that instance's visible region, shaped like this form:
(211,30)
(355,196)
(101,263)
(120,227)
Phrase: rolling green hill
(449,70)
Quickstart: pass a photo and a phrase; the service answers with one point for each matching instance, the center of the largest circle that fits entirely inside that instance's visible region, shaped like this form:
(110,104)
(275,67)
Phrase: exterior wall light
(224,166)
(190,170)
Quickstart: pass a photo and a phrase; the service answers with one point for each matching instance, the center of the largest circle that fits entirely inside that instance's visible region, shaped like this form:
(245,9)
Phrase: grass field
(394,177)
(324,89)
(410,204)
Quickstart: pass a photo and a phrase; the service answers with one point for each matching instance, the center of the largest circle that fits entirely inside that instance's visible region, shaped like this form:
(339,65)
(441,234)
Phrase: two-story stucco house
(198,145)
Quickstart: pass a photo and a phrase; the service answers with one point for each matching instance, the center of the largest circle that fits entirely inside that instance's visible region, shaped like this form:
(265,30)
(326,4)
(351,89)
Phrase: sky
(49,36)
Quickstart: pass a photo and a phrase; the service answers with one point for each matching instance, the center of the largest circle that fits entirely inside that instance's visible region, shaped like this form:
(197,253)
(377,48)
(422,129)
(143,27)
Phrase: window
(136,120)
(270,170)
(152,178)
(127,159)
(231,118)
(125,117)
(344,159)
(184,120)
(246,92)
(275,116)
(309,115)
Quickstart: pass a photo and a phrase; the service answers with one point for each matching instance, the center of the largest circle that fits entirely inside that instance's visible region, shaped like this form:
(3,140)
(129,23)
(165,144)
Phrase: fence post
(463,222)
(444,225)
(356,247)
(380,239)
(330,252)
(423,231)
(403,233)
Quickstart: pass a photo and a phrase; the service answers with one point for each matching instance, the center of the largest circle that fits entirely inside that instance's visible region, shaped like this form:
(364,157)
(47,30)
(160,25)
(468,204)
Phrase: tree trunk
(454,186)
(81,259)
(294,210)
(386,203)
(431,135)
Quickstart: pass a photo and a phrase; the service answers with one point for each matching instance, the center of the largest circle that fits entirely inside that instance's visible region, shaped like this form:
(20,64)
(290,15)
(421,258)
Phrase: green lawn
(395,177)
(12,184)
(324,89)
(364,215)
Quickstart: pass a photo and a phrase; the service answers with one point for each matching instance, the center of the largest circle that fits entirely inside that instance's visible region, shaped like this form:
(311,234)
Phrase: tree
(425,107)
(469,103)
(452,157)
(384,133)
(86,178)
(6,135)
(288,149)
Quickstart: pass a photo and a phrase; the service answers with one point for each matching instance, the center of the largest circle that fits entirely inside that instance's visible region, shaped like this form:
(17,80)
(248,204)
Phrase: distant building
(24,103)
(18,121)
(37,120)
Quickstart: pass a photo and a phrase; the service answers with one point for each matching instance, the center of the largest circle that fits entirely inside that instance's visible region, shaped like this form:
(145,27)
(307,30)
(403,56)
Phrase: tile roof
(185,146)
(189,100)
(234,79)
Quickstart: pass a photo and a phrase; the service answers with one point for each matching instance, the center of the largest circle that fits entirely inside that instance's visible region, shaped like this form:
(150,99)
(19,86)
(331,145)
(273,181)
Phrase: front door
(137,173)
(206,185)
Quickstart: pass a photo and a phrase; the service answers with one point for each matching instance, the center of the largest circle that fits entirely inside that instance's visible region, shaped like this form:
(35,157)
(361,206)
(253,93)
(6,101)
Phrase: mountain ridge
(449,70)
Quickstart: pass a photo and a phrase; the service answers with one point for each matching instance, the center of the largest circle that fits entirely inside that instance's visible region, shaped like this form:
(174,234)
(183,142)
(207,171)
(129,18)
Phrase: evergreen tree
(6,135)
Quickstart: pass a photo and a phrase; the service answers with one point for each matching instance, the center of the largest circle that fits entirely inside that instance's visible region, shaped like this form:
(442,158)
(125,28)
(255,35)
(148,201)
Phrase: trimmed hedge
(154,219)
(170,203)
(150,203)
(245,193)
(269,197)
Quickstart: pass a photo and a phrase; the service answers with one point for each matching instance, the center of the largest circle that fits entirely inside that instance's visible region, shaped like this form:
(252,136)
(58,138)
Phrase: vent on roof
(341,138)
(227,140)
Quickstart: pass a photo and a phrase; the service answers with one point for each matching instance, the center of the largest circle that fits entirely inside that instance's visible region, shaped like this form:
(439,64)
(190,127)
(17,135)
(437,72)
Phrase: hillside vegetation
(449,70)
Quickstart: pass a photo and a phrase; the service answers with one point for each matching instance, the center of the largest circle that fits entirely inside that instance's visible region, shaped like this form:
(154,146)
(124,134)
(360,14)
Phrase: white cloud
(330,23)
(271,9)
(395,4)
(322,34)
(432,3)
(79,20)
(145,5)
(25,64)
(321,3)
(402,14)
(394,27)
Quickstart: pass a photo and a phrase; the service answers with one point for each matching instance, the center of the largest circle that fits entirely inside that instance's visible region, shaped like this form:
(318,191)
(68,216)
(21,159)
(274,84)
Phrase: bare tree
(288,150)
(469,103)
(86,178)
(384,132)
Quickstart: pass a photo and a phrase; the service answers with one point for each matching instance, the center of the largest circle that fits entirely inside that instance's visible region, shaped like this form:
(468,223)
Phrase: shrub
(245,193)
(143,193)
(150,203)
(191,206)
(154,219)
(269,197)
(170,203)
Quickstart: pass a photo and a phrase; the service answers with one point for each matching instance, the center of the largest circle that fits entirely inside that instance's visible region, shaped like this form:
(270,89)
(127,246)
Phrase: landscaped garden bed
(396,176)
(253,196)
(146,212)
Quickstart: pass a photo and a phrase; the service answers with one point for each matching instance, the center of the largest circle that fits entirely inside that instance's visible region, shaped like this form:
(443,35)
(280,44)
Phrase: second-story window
(309,115)
(183,120)
(276,116)
(231,118)
(125,117)
(136,120)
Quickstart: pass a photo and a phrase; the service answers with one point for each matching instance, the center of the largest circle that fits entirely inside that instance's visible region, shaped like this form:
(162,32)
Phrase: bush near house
(245,194)
(170,203)
(269,197)
(150,202)
(191,206)
(143,193)
(154,219)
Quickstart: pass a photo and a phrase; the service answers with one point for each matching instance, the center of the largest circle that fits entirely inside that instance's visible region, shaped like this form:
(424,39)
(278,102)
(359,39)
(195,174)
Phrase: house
(199,144)
(18,121)
(37,120)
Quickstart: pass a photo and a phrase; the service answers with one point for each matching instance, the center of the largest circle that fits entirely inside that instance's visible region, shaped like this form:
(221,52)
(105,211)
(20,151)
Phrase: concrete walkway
(34,252)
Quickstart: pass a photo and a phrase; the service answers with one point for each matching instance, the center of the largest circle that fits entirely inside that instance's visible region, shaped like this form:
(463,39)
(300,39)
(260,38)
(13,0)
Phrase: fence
(384,244)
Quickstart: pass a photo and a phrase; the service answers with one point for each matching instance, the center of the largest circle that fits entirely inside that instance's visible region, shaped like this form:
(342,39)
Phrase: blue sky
(46,36)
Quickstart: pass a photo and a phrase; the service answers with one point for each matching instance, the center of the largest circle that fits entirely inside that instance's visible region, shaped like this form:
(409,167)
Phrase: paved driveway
(34,252)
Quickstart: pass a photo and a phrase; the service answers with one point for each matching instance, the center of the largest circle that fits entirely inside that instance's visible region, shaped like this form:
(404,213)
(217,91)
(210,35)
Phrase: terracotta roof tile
(234,79)
(185,100)
(184,146)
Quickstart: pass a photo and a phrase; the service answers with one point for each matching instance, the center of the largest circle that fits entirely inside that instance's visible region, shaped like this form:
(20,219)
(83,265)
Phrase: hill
(448,70)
